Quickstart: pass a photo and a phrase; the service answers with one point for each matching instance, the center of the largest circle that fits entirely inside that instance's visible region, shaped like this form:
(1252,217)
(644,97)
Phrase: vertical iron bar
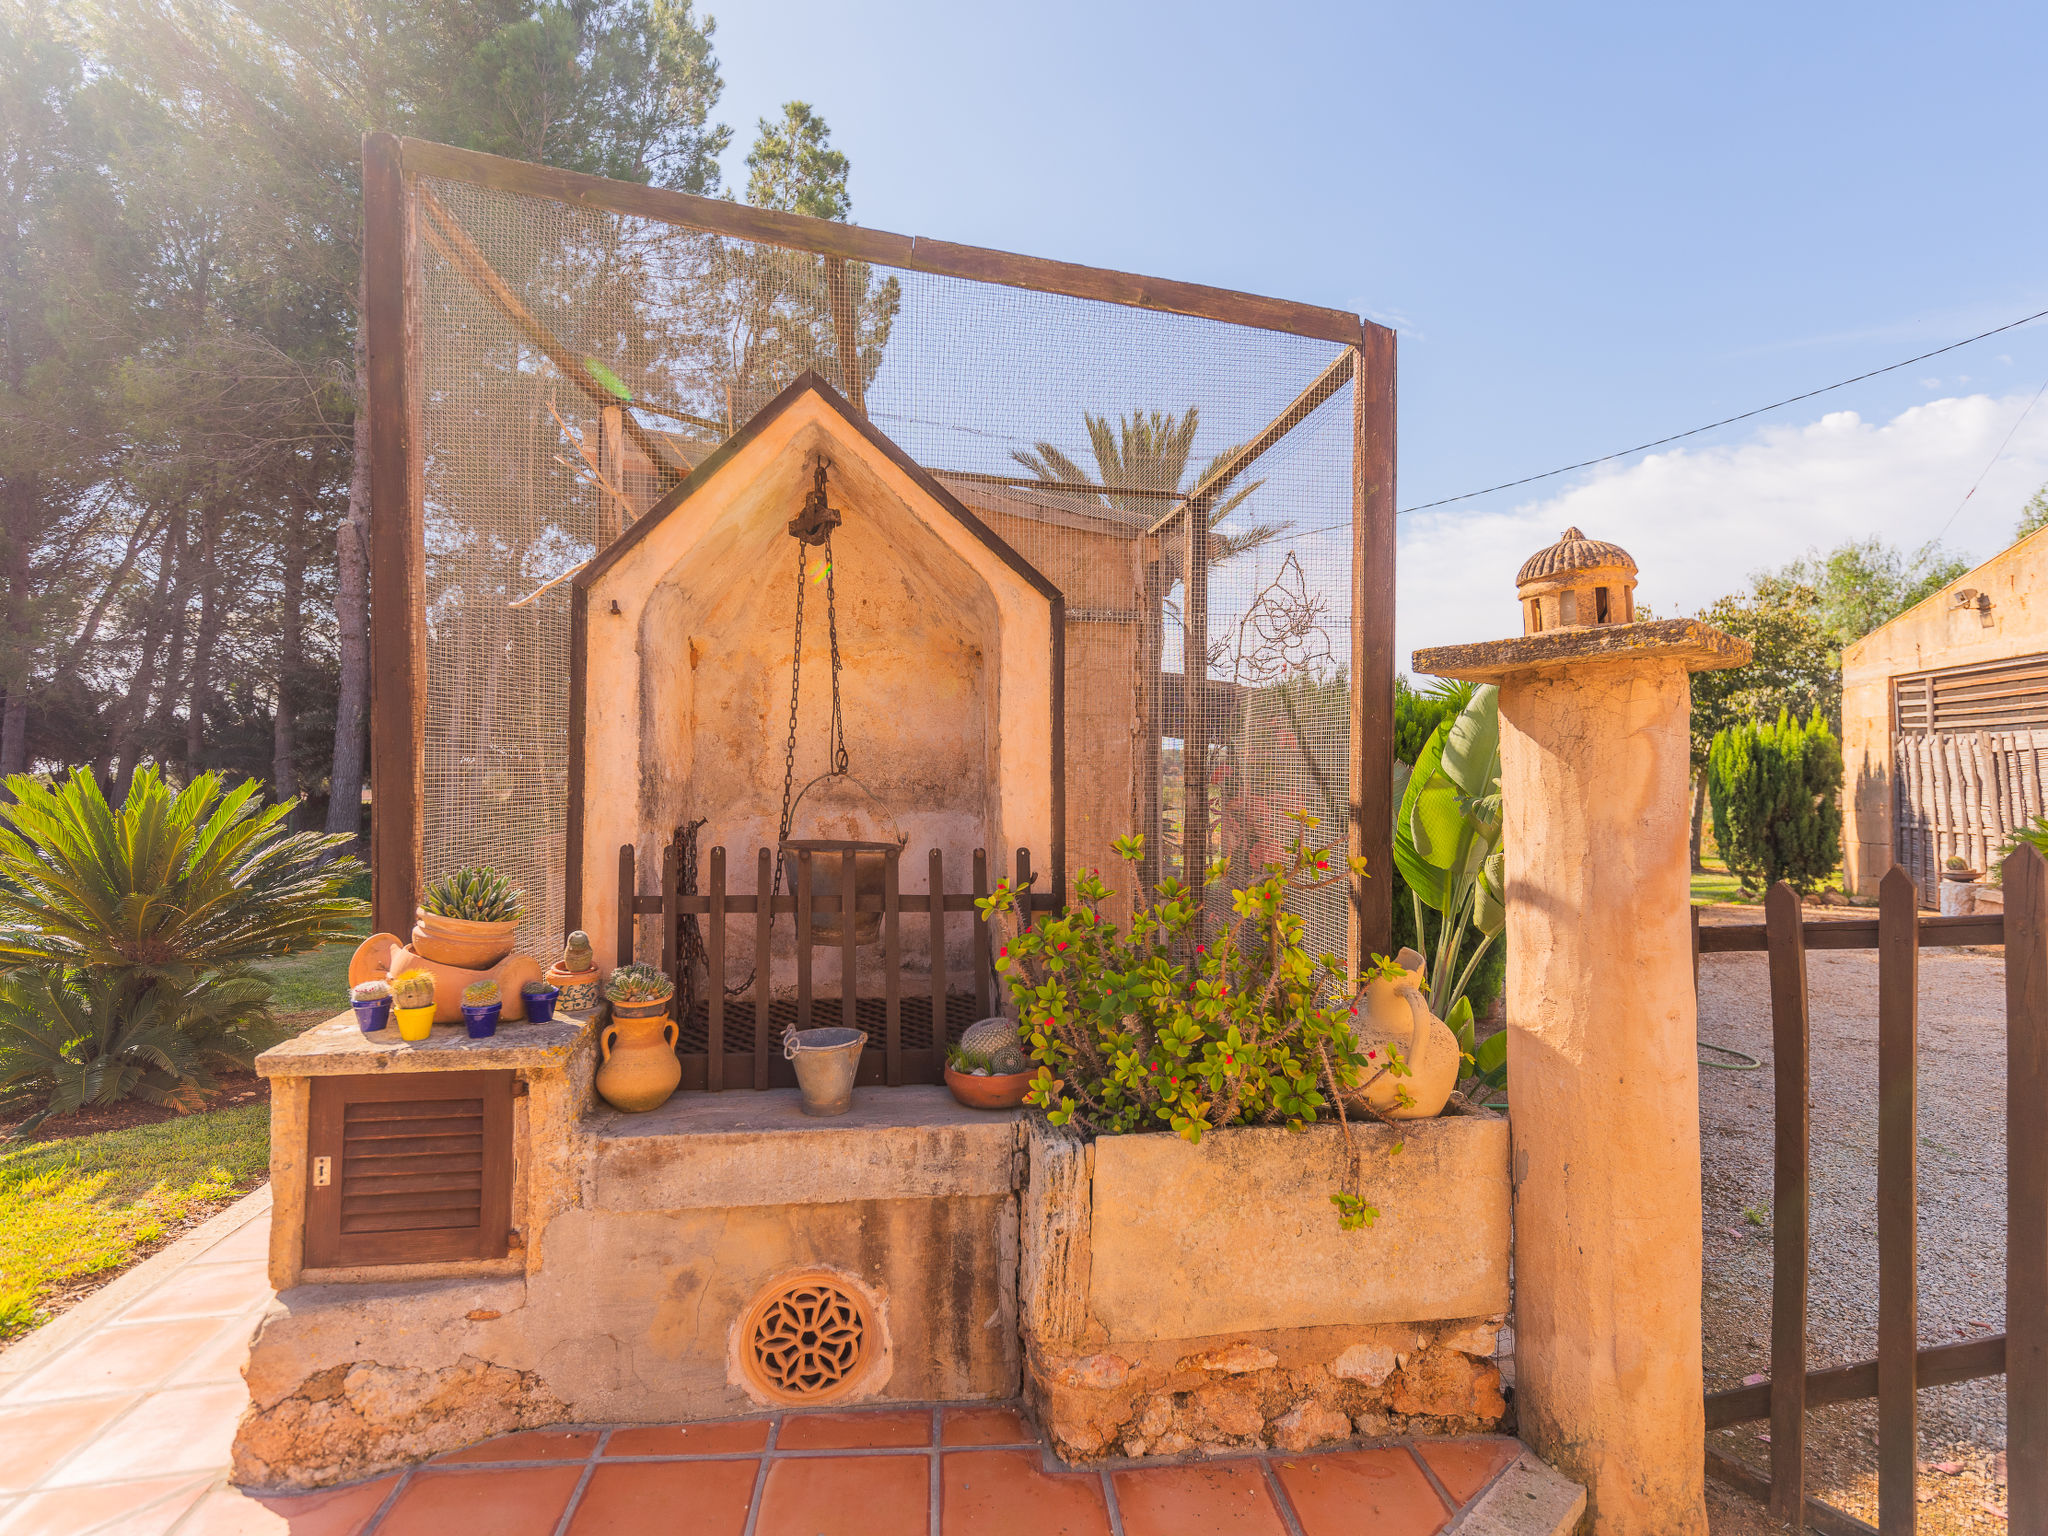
(764,943)
(802,882)
(714,967)
(1898,1316)
(847,988)
(1785,922)
(1194,683)
(937,878)
(892,965)
(2026,1189)
(981,965)
(629,883)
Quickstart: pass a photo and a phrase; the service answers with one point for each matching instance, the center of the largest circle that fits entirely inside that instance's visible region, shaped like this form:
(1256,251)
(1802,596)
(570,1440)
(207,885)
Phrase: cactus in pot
(639,988)
(413,993)
(468,918)
(478,894)
(372,1003)
(998,1042)
(481,1005)
(539,998)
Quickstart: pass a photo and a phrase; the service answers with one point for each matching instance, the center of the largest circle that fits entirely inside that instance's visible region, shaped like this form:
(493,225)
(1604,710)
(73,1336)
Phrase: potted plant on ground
(481,1004)
(372,1003)
(540,999)
(638,1069)
(413,995)
(988,1069)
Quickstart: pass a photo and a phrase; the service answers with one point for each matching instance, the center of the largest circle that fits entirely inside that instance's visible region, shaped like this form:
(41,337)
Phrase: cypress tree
(1776,792)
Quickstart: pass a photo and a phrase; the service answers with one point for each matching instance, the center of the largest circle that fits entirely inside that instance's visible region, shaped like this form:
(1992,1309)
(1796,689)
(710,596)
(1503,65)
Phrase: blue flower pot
(373,1015)
(540,1006)
(481,1019)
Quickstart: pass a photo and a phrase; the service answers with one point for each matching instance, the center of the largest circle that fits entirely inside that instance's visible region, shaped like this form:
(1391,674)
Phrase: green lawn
(316,979)
(71,1209)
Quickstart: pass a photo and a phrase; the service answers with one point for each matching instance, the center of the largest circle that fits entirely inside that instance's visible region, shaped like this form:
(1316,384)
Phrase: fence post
(714,975)
(892,966)
(1785,921)
(628,887)
(802,882)
(764,959)
(1898,1309)
(2026,1190)
(936,866)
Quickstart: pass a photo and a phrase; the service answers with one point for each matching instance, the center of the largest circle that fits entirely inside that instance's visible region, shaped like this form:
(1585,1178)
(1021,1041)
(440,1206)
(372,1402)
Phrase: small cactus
(369,991)
(415,989)
(535,989)
(577,955)
(478,894)
(478,993)
(638,983)
(996,1042)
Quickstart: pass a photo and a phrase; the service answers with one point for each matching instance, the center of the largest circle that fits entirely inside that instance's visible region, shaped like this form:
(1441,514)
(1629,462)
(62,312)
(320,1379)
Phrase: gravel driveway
(1962,1219)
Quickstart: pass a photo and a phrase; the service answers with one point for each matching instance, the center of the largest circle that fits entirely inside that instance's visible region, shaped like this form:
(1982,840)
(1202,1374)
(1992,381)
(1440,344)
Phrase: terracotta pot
(998,1091)
(639,1069)
(579,989)
(383,957)
(458,941)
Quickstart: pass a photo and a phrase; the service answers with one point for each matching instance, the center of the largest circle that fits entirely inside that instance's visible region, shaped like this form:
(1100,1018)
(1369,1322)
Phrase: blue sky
(1593,226)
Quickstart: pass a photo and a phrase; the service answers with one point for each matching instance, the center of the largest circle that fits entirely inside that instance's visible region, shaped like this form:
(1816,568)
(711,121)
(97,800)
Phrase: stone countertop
(339,1048)
(1698,647)
(754,1112)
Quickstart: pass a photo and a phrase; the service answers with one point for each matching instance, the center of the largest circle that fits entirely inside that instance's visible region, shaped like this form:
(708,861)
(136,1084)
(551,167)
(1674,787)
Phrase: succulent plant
(369,991)
(477,993)
(1957,861)
(577,955)
(638,983)
(537,989)
(415,989)
(996,1042)
(477,894)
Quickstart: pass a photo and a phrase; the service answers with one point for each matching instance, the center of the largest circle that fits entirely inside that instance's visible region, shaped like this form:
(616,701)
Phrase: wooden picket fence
(1901,1368)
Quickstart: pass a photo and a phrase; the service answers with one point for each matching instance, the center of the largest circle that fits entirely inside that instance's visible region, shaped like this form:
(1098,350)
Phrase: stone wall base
(1288,1390)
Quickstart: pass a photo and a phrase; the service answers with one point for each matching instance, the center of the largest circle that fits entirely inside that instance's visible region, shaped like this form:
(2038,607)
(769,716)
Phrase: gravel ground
(1962,1221)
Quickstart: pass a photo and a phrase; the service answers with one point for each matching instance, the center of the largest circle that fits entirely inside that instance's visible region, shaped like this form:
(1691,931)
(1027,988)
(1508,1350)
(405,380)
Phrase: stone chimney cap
(1573,552)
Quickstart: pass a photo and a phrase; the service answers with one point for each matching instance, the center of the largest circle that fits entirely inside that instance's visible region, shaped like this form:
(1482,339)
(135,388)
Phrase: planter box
(1176,1296)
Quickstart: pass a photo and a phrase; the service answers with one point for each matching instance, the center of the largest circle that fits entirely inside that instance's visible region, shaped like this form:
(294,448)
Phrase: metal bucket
(828,856)
(826,1061)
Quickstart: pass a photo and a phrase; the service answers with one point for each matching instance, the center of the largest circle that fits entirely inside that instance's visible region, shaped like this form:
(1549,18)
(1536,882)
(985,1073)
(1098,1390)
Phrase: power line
(1725,421)
(1994,457)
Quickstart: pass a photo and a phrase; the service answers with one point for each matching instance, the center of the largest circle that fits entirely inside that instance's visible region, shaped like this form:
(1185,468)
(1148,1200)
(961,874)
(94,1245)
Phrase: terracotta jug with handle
(1390,1015)
(639,1069)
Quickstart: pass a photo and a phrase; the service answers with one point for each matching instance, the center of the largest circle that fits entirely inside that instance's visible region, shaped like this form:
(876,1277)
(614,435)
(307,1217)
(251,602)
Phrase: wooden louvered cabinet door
(418,1168)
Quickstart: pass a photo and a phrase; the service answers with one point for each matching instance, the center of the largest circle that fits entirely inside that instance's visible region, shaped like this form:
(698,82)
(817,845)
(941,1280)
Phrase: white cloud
(1698,521)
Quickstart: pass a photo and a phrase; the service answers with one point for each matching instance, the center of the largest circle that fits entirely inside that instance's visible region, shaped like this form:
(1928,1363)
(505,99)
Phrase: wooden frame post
(1789,1184)
(1898,1242)
(1371,832)
(398,641)
(2026,1188)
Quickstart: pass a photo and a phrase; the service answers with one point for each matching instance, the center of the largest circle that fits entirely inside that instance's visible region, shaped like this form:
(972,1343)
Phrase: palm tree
(1140,456)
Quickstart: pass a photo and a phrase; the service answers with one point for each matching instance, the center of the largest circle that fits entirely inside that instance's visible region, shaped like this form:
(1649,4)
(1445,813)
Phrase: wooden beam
(1825,1518)
(1898,1235)
(1789,1185)
(1854,933)
(1371,832)
(912,253)
(1941,1366)
(398,644)
(2026,1187)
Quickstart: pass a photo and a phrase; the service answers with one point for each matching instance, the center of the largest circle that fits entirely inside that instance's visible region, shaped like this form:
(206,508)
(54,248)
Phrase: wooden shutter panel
(420,1168)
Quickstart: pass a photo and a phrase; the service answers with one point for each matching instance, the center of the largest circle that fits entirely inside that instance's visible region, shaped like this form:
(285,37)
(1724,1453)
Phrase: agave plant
(638,983)
(477,894)
(167,887)
(74,1037)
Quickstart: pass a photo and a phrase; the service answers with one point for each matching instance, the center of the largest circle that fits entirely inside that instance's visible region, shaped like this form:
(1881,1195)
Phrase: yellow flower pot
(415,1023)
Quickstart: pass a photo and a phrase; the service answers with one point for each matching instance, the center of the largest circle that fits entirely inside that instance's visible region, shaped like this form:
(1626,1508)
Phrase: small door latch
(323,1172)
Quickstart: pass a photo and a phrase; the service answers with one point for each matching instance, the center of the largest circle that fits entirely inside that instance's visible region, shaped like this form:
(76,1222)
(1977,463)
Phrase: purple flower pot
(540,1006)
(481,1019)
(373,1015)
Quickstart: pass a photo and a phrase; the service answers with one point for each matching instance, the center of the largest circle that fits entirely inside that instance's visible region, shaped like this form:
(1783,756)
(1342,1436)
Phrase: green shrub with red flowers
(1161,1027)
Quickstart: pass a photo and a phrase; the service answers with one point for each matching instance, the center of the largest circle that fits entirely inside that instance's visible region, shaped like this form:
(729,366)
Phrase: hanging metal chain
(796,677)
(837,740)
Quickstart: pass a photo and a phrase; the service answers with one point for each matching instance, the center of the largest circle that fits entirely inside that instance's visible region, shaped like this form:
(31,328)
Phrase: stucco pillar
(1602,1067)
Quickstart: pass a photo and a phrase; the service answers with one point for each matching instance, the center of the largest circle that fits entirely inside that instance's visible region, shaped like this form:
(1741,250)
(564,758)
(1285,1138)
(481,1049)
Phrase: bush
(125,936)
(1776,797)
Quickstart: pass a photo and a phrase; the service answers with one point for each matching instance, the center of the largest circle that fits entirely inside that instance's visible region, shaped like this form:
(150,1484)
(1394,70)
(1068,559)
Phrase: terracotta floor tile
(689,1439)
(855,1431)
(1466,1466)
(1009,1493)
(110,1359)
(203,1290)
(847,1496)
(37,1437)
(251,1240)
(504,1501)
(634,1500)
(143,1508)
(178,1429)
(331,1512)
(1218,1498)
(530,1445)
(1341,1492)
(992,1425)
(221,1358)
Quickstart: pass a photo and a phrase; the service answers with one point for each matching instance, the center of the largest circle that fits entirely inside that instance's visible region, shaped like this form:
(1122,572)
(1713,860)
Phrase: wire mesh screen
(570,365)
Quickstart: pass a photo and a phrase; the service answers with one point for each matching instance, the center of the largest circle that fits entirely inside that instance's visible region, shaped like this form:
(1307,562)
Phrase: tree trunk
(1699,815)
(122,741)
(199,697)
(284,773)
(14,732)
(352,620)
(22,507)
(159,729)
